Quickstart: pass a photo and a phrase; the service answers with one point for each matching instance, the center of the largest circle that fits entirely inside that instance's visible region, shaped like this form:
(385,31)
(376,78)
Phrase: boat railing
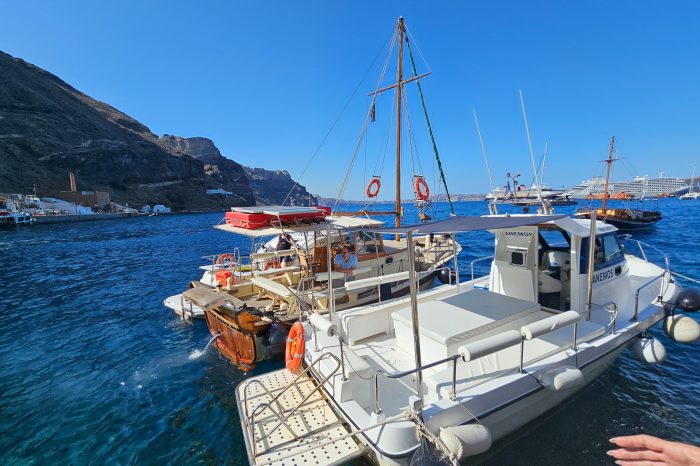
(646,284)
(471,264)
(280,413)
(610,308)
(642,245)
(489,345)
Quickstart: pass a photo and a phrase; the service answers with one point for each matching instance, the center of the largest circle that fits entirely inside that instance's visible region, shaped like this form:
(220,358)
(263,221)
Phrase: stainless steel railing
(647,283)
(471,264)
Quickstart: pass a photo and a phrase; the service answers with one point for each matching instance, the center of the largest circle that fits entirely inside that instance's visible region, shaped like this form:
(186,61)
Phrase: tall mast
(607,177)
(399,78)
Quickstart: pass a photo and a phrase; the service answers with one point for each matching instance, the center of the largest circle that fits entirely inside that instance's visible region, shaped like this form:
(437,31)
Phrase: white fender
(322,324)
(465,441)
(682,329)
(562,378)
(649,350)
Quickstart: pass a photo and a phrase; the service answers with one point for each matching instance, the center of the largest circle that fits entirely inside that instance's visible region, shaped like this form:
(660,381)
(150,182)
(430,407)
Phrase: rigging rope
(368,118)
(347,103)
(430,128)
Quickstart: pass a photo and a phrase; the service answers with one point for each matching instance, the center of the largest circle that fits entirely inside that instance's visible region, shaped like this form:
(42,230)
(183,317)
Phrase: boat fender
(648,349)
(465,441)
(445,276)
(322,324)
(682,329)
(688,300)
(274,342)
(562,378)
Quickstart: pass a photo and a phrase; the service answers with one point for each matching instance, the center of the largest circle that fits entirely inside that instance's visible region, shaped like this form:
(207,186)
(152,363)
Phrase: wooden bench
(274,290)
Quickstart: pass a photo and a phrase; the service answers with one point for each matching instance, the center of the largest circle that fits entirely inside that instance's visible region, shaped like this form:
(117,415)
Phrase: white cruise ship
(639,187)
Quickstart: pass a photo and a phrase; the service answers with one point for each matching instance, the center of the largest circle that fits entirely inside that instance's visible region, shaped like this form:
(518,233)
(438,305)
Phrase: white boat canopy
(462,223)
(336,223)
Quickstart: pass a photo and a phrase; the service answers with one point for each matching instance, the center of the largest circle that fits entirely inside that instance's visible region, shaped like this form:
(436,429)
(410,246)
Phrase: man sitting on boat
(345,262)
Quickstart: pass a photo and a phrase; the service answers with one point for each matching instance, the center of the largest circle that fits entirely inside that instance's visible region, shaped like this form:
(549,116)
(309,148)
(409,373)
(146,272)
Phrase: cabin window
(607,252)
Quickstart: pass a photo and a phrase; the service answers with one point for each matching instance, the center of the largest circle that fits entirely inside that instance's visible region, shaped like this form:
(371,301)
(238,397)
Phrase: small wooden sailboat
(626,218)
(272,293)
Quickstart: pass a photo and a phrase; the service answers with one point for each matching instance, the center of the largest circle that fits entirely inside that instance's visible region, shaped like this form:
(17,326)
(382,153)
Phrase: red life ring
(421,187)
(221,260)
(295,347)
(373,187)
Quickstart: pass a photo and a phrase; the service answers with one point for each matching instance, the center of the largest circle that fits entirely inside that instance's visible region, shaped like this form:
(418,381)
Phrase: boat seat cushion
(447,323)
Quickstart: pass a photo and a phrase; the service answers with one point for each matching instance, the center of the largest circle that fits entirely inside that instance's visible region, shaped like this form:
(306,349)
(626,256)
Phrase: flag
(372,114)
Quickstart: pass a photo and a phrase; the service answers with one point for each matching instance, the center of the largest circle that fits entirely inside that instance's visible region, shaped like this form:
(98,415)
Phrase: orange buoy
(295,347)
(373,187)
(421,187)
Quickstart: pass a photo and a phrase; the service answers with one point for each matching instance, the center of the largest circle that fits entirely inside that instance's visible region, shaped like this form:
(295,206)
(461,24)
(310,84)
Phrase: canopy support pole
(414,313)
(329,260)
(591,259)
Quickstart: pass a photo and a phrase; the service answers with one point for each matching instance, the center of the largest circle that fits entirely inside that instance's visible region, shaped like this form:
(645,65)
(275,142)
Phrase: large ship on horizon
(638,188)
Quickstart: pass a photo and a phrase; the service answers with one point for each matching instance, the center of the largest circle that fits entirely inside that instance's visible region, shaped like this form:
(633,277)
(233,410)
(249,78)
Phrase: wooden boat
(626,218)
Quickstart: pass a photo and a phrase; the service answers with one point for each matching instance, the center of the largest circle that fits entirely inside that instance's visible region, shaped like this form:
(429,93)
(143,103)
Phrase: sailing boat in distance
(625,218)
(691,194)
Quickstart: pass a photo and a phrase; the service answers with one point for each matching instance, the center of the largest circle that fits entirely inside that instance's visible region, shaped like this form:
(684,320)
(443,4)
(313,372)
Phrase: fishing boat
(270,292)
(626,218)
(691,194)
(446,372)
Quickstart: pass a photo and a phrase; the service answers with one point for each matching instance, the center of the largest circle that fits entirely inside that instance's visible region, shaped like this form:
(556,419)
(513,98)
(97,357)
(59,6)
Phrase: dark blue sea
(94,370)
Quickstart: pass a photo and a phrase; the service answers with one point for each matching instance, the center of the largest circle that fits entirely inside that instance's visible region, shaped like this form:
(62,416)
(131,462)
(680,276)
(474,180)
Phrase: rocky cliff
(48,129)
(270,187)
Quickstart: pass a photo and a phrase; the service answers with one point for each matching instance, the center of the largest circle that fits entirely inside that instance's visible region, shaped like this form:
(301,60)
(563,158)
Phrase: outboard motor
(274,342)
(680,328)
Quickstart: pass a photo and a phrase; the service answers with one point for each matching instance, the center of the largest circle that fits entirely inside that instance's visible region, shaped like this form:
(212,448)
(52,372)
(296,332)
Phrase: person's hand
(645,450)
(350,272)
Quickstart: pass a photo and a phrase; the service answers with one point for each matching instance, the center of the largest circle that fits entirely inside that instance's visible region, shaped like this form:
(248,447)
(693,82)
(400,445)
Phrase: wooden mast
(399,103)
(607,176)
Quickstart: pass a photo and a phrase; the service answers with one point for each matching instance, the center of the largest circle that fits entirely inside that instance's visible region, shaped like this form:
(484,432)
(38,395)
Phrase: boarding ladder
(287,420)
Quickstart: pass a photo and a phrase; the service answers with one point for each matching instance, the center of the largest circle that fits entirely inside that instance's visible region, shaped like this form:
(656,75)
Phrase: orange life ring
(421,187)
(373,187)
(295,347)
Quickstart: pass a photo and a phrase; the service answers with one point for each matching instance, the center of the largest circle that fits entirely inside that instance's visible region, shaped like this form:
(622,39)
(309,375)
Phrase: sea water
(95,370)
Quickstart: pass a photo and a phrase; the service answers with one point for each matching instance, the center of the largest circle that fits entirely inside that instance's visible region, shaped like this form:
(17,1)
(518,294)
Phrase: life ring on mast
(294,352)
(421,188)
(373,187)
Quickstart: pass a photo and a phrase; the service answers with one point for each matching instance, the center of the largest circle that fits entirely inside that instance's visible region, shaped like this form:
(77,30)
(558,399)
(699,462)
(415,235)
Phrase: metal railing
(456,357)
(641,245)
(647,283)
(610,308)
(471,264)
(280,415)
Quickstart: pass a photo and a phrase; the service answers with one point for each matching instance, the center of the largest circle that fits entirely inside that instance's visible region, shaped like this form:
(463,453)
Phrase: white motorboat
(460,366)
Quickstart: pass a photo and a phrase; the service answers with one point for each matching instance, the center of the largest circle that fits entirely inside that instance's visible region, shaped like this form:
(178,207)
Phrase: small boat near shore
(691,194)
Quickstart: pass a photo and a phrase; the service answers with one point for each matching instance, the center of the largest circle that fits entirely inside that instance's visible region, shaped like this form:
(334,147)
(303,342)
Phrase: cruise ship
(638,188)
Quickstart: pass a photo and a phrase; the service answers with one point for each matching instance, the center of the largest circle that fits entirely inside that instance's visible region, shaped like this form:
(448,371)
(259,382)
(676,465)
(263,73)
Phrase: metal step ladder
(286,420)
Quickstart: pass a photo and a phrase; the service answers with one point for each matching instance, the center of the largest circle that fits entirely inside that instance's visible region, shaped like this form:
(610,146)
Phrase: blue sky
(266,80)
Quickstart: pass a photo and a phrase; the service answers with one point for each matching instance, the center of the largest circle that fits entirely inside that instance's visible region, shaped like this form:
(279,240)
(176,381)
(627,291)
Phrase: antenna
(532,154)
(486,161)
(544,160)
